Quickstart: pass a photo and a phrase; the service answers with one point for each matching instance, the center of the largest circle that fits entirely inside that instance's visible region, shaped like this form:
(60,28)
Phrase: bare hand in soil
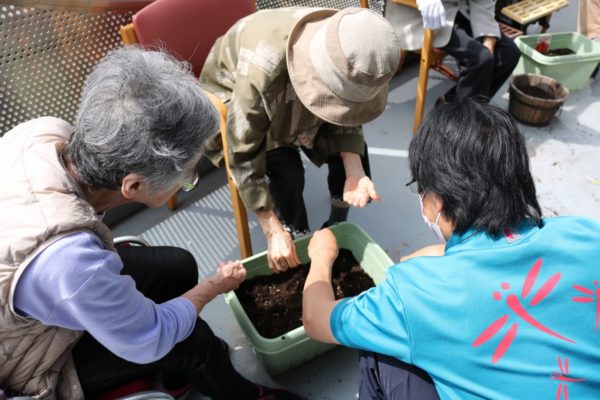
(228,276)
(323,246)
(282,252)
(274,302)
(358,190)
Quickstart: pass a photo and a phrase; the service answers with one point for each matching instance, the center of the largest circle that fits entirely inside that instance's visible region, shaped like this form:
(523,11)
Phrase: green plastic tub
(295,347)
(573,71)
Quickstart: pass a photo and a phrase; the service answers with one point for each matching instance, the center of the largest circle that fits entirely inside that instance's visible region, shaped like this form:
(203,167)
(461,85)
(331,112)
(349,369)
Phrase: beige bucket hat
(340,63)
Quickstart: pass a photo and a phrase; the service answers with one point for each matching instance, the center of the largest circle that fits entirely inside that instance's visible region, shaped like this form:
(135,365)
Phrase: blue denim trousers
(387,378)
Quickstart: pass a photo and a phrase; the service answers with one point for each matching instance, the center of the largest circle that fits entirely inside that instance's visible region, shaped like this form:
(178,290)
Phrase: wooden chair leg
(172,202)
(241,220)
(240,214)
(423,78)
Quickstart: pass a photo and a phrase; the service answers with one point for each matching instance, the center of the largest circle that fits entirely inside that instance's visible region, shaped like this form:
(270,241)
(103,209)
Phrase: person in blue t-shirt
(509,308)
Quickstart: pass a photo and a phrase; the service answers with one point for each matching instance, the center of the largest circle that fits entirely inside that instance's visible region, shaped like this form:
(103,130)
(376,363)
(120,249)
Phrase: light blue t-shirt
(75,283)
(516,317)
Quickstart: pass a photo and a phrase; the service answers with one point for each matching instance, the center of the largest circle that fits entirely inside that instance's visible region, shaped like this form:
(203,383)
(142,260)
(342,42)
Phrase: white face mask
(435,228)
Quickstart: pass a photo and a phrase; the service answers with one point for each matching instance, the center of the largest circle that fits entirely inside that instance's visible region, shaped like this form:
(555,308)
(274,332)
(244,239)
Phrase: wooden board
(527,11)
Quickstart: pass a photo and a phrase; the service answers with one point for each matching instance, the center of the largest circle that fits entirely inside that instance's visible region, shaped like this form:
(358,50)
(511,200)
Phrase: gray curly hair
(140,112)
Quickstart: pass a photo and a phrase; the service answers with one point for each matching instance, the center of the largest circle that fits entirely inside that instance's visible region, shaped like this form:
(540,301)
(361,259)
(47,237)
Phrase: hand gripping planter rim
(295,347)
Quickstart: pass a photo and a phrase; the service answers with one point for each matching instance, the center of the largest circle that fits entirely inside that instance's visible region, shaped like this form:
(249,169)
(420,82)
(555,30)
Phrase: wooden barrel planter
(535,99)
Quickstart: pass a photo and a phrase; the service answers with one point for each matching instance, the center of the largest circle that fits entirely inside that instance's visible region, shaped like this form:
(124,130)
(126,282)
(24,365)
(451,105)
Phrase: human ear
(434,202)
(132,186)
(438,202)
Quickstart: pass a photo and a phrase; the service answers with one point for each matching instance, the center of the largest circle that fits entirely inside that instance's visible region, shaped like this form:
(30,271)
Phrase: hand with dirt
(323,247)
(358,188)
(281,251)
(228,276)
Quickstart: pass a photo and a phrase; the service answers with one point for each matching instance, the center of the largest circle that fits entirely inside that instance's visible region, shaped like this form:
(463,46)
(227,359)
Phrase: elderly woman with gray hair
(77,316)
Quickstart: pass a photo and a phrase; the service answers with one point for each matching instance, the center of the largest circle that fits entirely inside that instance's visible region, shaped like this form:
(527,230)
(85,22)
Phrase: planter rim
(298,335)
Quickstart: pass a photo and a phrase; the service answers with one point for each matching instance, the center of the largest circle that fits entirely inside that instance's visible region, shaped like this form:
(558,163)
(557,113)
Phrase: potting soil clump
(274,302)
(563,51)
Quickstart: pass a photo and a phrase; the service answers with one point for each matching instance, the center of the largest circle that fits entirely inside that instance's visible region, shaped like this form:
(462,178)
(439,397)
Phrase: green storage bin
(295,347)
(572,70)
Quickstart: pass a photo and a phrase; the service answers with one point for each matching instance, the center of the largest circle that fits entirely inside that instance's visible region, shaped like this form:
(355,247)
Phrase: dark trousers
(286,184)
(161,274)
(480,72)
(386,378)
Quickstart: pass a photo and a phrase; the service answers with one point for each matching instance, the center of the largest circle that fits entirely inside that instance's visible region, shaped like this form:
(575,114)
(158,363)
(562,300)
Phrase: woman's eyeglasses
(191,183)
(413,188)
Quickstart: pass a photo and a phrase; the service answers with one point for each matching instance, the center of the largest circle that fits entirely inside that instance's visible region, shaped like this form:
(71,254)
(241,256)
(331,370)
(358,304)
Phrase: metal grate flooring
(206,228)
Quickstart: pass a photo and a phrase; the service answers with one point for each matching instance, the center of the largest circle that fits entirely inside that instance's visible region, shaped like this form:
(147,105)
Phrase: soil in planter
(274,302)
(534,91)
(563,51)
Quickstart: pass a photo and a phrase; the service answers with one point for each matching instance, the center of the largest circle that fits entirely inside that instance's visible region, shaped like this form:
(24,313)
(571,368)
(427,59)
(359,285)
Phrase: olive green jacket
(246,68)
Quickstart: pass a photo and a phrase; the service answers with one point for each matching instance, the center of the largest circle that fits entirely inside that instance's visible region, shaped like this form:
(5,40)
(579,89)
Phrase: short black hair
(474,157)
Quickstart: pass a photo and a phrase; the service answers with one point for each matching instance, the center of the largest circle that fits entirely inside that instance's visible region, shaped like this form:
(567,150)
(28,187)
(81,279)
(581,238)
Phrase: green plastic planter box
(295,347)
(571,70)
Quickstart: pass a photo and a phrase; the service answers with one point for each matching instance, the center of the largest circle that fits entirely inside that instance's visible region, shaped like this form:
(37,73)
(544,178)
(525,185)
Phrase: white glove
(433,12)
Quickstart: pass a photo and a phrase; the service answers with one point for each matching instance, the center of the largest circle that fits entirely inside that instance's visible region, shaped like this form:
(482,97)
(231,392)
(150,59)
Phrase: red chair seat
(136,386)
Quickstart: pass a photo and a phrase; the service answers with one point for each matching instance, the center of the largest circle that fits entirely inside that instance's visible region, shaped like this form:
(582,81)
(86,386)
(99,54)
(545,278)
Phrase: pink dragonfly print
(514,303)
(564,378)
(595,296)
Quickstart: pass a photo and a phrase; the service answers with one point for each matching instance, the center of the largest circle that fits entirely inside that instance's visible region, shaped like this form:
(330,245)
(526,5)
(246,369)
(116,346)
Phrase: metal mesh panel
(48,51)
(376,5)
(46,54)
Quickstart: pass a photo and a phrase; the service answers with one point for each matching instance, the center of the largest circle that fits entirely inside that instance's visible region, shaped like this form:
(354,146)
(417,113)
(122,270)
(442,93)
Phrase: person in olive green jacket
(300,78)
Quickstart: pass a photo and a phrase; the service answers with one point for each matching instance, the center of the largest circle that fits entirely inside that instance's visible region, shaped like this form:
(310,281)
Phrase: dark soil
(563,51)
(535,91)
(274,302)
